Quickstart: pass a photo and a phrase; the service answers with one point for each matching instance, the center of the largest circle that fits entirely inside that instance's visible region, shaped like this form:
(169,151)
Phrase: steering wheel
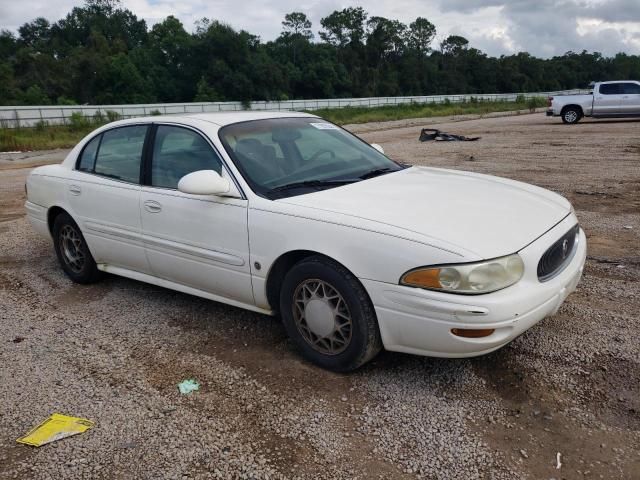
(322,151)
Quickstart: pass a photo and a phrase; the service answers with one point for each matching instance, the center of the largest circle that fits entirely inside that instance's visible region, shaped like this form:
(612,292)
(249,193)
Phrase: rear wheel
(571,115)
(328,315)
(72,251)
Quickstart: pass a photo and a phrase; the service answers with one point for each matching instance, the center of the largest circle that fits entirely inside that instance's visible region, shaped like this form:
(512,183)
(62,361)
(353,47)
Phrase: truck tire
(571,115)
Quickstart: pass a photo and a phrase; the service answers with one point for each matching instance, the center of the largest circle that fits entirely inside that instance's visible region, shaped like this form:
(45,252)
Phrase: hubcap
(322,316)
(571,116)
(71,244)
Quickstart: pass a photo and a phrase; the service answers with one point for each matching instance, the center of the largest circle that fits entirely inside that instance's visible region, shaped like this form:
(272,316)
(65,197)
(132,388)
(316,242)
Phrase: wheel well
(281,267)
(51,216)
(577,107)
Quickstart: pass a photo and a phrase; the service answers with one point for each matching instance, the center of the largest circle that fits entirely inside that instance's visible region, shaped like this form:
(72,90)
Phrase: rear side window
(610,89)
(88,156)
(120,153)
(631,88)
(177,152)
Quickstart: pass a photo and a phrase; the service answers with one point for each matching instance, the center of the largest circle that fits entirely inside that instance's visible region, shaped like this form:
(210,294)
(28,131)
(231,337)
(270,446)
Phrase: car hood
(468,213)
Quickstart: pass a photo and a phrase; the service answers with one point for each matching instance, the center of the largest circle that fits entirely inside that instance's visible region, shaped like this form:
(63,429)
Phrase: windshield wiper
(377,172)
(313,183)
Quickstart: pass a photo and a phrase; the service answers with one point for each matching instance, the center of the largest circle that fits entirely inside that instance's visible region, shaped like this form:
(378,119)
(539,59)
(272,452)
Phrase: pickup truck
(607,100)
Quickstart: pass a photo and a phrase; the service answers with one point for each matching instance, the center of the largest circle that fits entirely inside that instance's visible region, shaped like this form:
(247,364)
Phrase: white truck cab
(614,99)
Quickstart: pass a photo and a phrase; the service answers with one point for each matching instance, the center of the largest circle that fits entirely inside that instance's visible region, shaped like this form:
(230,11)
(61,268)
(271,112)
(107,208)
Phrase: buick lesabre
(288,214)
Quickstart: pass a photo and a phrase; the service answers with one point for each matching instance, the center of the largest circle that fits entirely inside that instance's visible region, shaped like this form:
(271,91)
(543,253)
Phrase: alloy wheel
(571,116)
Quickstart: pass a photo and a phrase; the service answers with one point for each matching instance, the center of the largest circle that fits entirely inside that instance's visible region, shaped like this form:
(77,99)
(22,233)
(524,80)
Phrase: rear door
(104,194)
(200,241)
(630,104)
(608,99)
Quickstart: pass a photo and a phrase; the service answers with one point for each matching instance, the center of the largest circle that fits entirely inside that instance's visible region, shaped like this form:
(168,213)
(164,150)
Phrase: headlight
(469,278)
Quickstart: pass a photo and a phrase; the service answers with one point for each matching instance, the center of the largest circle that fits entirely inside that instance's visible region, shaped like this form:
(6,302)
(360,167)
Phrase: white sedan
(287,213)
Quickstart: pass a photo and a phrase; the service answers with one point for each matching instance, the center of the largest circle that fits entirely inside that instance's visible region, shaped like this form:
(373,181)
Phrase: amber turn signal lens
(428,278)
(469,333)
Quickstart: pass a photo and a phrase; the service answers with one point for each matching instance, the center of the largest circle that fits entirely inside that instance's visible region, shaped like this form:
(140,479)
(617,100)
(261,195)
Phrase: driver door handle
(152,206)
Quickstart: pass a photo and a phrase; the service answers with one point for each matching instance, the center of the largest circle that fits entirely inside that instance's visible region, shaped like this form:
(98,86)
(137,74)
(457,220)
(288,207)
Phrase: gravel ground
(114,352)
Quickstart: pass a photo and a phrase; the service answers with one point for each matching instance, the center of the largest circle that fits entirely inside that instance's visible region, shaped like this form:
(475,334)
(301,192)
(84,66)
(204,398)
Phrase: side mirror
(378,147)
(205,182)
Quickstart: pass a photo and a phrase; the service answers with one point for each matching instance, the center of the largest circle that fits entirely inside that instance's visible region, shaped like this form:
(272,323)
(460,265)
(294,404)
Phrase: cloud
(551,27)
(540,27)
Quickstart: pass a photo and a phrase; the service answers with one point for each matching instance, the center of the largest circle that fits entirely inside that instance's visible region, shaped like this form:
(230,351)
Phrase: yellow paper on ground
(55,428)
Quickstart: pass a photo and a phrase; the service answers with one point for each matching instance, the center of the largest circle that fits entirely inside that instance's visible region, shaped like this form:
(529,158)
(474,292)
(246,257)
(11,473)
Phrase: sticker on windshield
(324,126)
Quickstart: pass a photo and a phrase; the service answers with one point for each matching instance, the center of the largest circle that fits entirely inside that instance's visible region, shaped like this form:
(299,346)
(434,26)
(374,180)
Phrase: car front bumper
(417,321)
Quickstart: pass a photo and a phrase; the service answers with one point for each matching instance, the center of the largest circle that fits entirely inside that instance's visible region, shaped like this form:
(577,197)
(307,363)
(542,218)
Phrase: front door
(608,99)
(200,241)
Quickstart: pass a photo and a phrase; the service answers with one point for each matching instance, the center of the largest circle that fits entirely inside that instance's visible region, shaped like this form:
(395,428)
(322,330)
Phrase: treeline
(101,53)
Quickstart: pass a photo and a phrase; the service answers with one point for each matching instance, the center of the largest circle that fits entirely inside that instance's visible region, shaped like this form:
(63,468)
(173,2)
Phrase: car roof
(217,118)
(620,81)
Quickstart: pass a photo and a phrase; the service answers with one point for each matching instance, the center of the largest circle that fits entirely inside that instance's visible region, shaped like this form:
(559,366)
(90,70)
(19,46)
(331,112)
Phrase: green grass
(347,115)
(46,137)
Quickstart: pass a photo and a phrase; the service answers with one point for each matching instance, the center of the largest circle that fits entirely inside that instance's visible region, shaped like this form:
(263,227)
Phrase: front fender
(368,254)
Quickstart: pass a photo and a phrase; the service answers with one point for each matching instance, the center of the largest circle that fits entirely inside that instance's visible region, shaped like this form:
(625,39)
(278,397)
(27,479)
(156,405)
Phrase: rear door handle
(75,190)
(152,206)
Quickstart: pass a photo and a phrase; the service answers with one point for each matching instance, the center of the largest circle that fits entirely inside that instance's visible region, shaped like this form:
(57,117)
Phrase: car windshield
(281,157)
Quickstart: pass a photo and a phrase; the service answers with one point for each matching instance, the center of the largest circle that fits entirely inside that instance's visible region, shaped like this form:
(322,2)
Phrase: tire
(571,115)
(312,292)
(72,251)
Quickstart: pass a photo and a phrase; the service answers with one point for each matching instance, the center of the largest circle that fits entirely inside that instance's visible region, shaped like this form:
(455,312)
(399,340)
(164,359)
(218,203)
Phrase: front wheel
(328,315)
(571,115)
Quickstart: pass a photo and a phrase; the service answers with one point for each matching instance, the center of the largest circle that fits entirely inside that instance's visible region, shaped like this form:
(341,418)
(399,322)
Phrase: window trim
(146,176)
(84,147)
(149,125)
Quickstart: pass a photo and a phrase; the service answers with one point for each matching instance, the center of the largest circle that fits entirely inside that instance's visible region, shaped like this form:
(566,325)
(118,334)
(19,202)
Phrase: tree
(454,45)
(344,27)
(296,33)
(167,61)
(36,34)
(297,25)
(8,92)
(8,45)
(386,36)
(205,92)
(421,34)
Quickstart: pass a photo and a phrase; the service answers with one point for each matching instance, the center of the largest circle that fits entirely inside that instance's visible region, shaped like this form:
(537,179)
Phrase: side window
(88,156)
(610,89)
(631,88)
(177,152)
(120,153)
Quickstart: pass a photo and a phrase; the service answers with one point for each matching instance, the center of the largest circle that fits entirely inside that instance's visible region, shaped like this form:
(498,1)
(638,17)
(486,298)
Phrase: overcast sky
(541,27)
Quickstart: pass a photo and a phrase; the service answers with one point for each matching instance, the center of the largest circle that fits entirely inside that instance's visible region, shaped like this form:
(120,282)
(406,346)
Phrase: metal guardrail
(30,116)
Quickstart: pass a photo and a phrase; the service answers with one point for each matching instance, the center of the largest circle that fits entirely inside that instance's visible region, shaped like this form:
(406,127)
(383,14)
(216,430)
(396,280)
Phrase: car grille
(558,256)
